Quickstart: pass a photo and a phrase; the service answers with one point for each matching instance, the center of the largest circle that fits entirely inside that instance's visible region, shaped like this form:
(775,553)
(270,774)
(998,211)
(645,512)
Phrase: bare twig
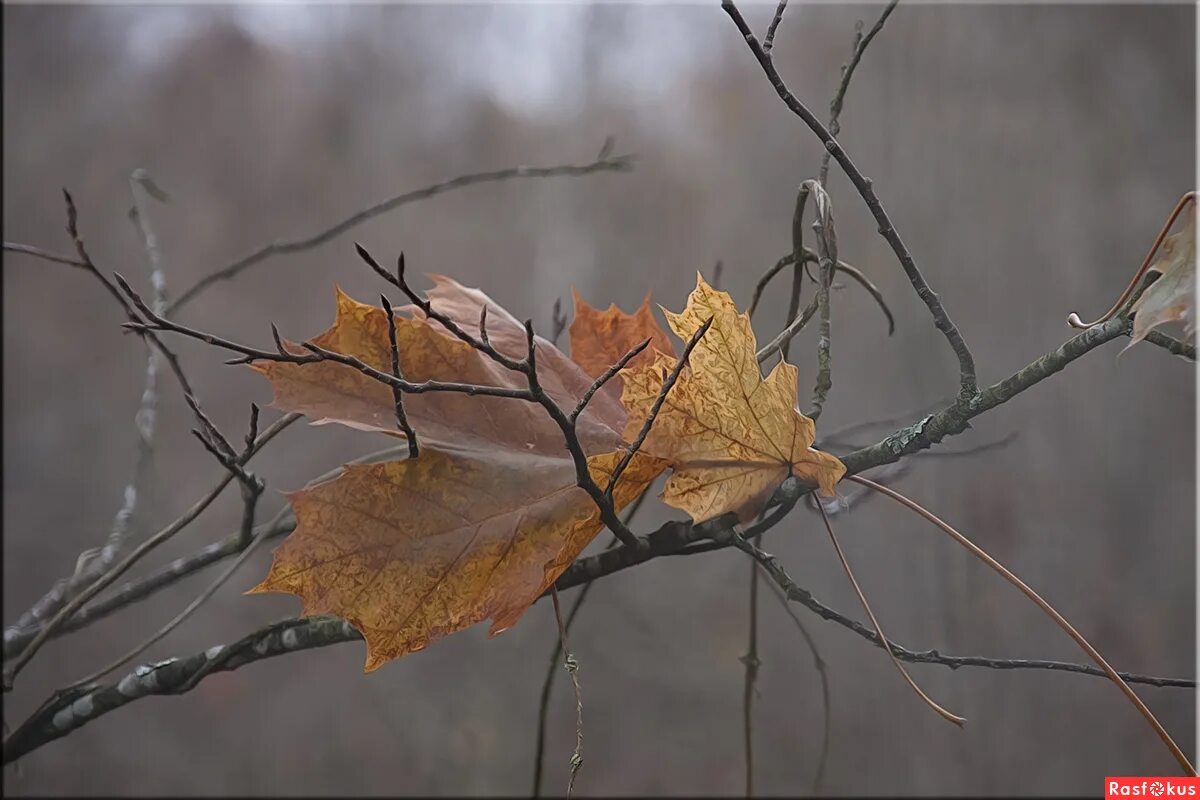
(856,53)
(191,608)
(862,280)
(604,378)
(604,163)
(558,321)
(45,255)
(798,265)
(313,355)
(552,669)
(92,564)
(1172,345)
(668,384)
(750,677)
(18,662)
(823,675)
(827,250)
(16,638)
(966,362)
(810,256)
(572,667)
(397,395)
(769,39)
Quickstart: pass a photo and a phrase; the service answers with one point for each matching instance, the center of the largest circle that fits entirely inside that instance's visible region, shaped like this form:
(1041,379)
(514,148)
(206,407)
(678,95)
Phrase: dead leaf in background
(1171,298)
(600,338)
(482,521)
(731,436)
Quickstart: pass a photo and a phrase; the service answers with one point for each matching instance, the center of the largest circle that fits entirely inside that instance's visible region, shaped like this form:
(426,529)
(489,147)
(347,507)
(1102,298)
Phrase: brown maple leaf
(483,521)
(731,436)
(1171,298)
(409,551)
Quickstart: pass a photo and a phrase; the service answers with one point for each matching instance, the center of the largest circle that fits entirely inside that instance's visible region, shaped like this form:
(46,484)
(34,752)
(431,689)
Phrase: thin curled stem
(862,598)
(1050,611)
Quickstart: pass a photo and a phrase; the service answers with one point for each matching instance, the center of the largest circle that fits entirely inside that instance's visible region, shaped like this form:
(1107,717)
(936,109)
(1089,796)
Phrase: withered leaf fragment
(1171,298)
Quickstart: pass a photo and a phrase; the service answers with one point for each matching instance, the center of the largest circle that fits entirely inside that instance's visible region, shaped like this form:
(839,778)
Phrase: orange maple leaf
(731,436)
(483,521)
(600,338)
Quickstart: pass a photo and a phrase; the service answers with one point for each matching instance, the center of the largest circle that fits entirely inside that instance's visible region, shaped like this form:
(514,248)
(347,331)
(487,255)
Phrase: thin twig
(18,662)
(749,679)
(572,667)
(810,256)
(552,669)
(93,563)
(604,378)
(769,39)
(860,277)
(823,675)
(313,355)
(856,53)
(827,250)
(1171,344)
(788,333)
(16,638)
(603,164)
(45,255)
(191,608)
(668,384)
(558,321)
(798,264)
(397,395)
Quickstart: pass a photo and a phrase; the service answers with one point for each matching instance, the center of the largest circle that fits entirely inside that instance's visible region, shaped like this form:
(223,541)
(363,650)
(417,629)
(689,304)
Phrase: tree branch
(604,163)
(966,362)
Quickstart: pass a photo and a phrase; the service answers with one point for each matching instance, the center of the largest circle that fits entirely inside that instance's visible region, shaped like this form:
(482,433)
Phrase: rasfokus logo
(1154,787)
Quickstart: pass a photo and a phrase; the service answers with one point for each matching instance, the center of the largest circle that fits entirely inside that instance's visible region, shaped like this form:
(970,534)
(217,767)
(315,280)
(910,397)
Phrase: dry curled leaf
(482,521)
(731,436)
(1171,298)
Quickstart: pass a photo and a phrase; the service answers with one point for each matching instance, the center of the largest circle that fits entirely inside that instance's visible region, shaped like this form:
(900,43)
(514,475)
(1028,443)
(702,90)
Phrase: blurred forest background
(1028,155)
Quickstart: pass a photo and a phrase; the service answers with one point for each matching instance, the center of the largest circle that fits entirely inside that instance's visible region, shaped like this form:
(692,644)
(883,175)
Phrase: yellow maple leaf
(731,436)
